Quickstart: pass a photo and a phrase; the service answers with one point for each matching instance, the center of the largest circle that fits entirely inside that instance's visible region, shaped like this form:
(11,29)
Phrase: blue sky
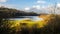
(26,4)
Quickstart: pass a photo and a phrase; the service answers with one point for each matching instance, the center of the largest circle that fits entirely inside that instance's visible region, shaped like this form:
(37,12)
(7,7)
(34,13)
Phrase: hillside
(8,12)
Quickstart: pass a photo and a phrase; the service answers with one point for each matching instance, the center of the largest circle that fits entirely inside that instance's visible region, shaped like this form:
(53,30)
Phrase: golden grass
(17,24)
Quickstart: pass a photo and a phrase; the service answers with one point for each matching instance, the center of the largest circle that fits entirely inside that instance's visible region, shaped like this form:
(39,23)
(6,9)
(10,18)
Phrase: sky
(27,4)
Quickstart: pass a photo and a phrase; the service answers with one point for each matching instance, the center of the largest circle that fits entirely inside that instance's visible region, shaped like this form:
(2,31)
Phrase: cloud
(40,1)
(58,4)
(27,8)
(37,6)
(3,0)
(7,5)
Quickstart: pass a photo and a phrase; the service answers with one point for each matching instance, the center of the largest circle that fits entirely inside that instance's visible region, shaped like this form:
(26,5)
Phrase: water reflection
(34,18)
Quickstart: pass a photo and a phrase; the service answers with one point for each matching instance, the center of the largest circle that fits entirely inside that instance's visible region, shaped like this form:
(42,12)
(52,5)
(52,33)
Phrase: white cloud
(7,5)
(58,5)
(40,1)
(27,8)
(3,0)
(37,6)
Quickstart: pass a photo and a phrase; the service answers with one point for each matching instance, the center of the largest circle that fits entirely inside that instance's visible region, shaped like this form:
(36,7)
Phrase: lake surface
(26,17)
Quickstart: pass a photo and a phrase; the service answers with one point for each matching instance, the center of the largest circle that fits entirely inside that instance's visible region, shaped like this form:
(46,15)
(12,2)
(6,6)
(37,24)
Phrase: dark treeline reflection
(53,26)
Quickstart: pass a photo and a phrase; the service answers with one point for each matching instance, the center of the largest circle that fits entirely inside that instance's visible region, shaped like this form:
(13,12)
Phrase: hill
(8,13)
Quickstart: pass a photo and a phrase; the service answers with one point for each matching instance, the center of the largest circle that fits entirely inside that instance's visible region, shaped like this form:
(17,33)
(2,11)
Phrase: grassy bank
(50,25)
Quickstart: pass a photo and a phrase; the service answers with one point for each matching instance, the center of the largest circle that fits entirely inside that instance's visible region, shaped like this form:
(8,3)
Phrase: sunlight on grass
(18,25)
(30,23)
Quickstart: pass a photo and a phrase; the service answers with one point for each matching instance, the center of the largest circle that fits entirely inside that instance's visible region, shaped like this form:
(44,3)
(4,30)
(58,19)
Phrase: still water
(34,18)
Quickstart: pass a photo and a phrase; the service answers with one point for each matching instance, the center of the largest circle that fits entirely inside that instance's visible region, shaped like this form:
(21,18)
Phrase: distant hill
(9,12)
